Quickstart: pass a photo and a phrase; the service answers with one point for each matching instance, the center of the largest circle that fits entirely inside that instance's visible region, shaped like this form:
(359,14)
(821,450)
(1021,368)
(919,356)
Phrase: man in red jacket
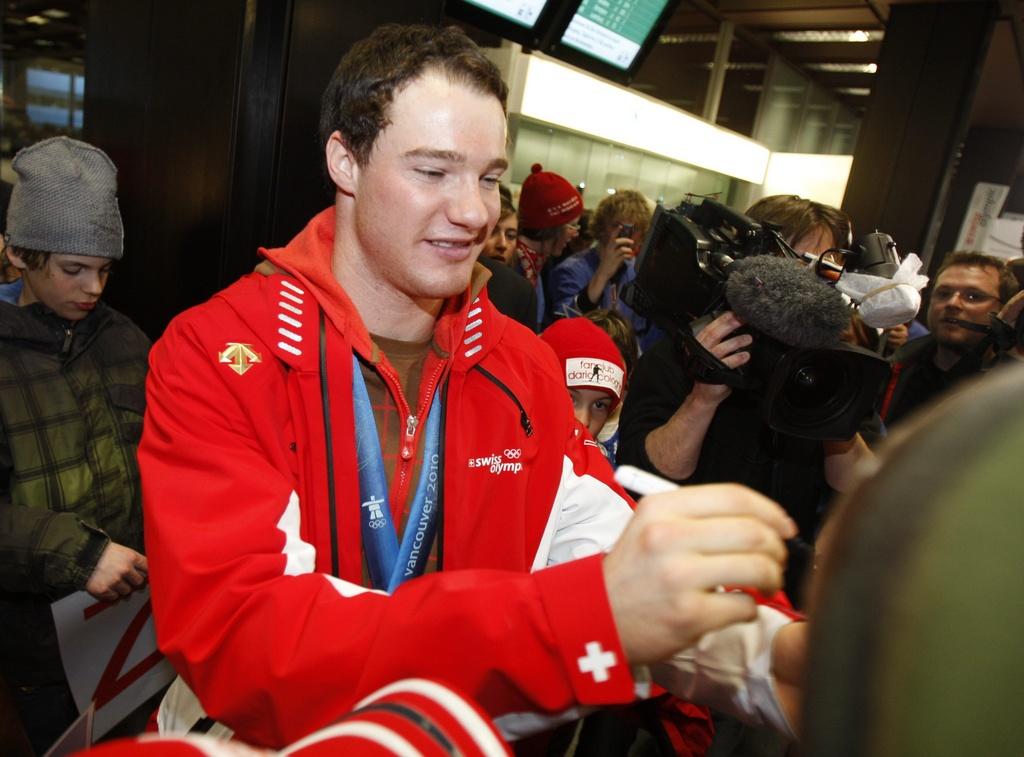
(356,470)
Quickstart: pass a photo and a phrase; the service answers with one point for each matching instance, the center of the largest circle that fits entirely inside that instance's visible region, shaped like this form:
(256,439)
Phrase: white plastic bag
(884,303)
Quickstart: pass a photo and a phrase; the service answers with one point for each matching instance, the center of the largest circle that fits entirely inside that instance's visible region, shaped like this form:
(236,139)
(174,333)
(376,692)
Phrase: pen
(641,482)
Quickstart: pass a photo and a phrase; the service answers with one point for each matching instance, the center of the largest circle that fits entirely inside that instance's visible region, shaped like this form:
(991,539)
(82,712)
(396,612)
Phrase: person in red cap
(549,209)
(595,373)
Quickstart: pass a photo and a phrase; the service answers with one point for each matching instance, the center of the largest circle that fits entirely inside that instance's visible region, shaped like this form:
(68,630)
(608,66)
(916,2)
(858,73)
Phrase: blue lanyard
(390,563)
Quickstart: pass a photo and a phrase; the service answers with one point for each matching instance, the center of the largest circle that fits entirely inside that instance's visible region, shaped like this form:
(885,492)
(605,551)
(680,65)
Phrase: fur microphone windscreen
(787,301)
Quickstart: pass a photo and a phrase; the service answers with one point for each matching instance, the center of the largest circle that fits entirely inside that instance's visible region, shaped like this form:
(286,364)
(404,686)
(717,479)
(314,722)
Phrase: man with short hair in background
(595,278)
(969,288)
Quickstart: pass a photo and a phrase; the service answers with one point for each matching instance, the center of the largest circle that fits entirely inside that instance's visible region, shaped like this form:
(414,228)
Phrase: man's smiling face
(427,198)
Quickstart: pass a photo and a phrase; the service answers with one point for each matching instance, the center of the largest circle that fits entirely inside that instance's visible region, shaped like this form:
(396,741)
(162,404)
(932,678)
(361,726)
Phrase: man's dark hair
(360,93)
(1008,284)
(797,217)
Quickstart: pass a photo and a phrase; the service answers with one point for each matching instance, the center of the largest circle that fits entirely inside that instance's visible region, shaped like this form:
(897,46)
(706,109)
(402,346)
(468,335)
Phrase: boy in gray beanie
(72,374)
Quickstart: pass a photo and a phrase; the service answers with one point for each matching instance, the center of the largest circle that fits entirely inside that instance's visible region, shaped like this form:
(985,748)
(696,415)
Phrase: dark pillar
(917,118)
(209,111)
(989,155)
(160,99)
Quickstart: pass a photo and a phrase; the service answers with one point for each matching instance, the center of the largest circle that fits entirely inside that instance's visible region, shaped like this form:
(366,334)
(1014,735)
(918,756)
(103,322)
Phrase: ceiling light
(822,178)
(37,20)
(829,35)
(843,68)
(44,42)
(555,93)
(55,13)
(854,91)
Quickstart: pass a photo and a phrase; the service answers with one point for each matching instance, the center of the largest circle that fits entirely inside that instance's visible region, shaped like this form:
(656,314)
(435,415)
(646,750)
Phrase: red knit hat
(588,355)
(547,200)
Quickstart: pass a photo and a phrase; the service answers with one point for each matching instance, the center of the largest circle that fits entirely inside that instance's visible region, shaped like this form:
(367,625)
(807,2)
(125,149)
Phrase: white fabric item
(180,711)
(884,303)
(587,517)
(300,554)
(730,670)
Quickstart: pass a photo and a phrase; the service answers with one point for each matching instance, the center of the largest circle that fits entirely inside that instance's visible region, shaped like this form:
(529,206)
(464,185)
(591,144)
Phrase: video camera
(699,260)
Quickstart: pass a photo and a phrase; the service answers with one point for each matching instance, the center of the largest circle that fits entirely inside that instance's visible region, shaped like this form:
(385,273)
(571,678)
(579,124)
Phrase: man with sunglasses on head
(969,287)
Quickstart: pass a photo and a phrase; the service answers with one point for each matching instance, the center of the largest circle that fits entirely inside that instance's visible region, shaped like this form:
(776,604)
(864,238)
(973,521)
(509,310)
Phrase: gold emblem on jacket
(239,357)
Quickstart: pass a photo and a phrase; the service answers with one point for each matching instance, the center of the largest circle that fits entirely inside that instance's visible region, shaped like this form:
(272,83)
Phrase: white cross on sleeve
(597,662)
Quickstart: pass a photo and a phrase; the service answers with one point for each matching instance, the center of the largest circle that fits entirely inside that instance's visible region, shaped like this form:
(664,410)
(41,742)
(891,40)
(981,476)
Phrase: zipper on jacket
(407,452)
(68,335)
(524,419)
(409,442)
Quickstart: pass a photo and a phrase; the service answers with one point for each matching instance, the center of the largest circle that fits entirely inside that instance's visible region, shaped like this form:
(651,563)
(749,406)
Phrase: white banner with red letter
(110,655)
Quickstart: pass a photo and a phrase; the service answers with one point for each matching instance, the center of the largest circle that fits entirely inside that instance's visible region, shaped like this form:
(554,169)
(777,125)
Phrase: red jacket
(241,538)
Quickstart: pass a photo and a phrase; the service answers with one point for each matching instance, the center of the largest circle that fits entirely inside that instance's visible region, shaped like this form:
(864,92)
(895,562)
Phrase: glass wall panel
(782,107)
(798,115)
(599,167)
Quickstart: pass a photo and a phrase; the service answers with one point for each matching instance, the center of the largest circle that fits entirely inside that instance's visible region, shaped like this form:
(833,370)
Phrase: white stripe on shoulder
(300,555)
(377,734)
(466,716)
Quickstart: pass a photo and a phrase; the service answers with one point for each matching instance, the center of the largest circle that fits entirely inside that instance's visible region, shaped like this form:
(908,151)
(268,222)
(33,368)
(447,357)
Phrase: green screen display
(613,30)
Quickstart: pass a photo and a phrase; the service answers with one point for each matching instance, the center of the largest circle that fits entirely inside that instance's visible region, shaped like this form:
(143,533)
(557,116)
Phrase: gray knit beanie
(65,200)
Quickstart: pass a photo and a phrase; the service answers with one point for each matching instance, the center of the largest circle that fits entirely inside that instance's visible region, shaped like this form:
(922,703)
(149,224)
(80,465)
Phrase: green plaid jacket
(71,407)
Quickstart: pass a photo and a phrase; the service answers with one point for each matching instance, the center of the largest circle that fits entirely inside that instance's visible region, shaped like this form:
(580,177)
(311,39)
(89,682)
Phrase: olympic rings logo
(513,454)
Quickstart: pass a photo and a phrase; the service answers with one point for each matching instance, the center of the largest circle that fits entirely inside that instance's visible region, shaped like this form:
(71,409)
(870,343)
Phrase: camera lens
(806,377)
(815,384)
(820,393)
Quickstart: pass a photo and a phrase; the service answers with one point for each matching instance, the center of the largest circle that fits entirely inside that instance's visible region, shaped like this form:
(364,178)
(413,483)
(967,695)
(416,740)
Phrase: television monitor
(612,37)
(528,22)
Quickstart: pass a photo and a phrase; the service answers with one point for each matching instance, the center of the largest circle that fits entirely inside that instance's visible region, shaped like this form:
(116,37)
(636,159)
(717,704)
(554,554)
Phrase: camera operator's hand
(674,448)
(717,339)
(663,573)
(611,255)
